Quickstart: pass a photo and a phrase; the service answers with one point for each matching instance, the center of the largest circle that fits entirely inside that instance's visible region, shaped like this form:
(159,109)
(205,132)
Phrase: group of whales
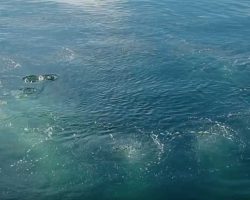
(36,78)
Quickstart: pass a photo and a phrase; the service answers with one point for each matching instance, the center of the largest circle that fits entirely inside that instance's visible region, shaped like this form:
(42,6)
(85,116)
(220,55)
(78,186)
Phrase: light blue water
(152,100)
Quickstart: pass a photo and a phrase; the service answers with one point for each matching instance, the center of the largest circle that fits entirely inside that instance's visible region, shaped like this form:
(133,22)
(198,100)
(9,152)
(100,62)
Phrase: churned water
(152,100)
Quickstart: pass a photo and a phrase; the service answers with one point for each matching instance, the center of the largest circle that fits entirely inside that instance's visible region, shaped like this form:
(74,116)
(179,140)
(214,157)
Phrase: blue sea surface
(152,100)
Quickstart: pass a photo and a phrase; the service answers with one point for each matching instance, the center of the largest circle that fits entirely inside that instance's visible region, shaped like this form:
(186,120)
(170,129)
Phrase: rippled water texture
(152,100)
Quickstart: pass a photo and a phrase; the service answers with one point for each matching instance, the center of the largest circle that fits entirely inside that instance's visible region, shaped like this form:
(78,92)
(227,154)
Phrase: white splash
(158,144)
(8,64)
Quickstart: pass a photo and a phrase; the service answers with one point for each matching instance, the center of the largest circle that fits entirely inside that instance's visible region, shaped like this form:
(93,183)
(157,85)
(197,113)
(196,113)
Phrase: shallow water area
(151,100)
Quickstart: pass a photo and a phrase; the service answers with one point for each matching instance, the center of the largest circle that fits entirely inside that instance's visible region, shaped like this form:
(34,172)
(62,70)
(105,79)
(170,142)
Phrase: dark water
(152,100)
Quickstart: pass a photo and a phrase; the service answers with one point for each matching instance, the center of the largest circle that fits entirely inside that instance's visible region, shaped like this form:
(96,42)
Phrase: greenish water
(152,100)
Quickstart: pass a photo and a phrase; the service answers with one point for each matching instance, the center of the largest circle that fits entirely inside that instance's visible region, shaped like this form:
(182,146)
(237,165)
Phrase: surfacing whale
(39,78)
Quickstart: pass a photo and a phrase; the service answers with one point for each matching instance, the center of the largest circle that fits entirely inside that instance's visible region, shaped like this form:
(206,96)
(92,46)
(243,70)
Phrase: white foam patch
(2,102)
(159,145)
(65,54)
(8,64)
(216,146)
(132,151)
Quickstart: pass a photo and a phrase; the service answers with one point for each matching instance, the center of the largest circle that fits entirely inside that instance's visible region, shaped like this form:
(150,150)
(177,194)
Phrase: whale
(39,78)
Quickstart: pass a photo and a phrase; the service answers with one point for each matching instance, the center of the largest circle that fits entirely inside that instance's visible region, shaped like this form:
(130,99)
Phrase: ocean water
(152,100)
